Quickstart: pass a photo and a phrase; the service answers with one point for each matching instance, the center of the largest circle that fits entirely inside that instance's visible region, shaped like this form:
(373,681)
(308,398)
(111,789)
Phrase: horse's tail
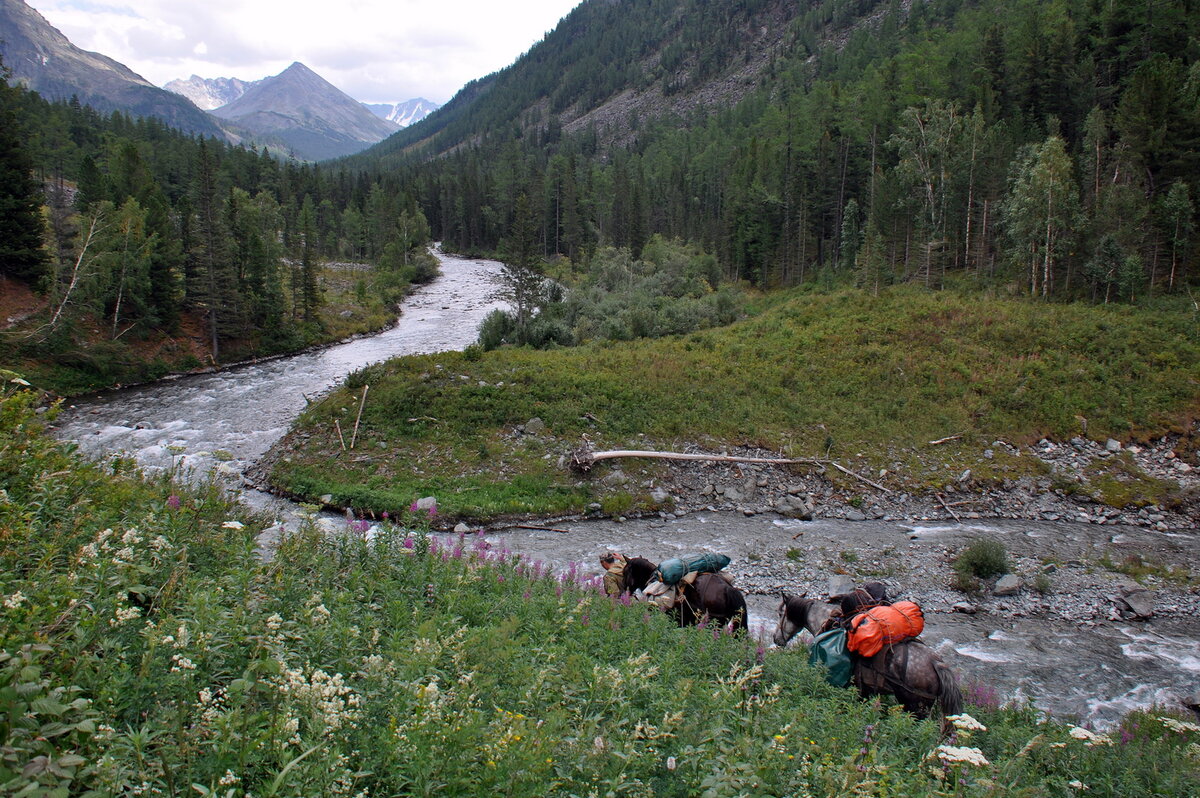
(949,695)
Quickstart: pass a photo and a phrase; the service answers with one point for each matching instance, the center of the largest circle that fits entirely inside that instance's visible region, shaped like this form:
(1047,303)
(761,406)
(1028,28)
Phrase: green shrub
(981,559)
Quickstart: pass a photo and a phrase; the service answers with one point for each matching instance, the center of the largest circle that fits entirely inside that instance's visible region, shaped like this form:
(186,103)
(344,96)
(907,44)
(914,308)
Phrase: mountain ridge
(306,113)
(44,60)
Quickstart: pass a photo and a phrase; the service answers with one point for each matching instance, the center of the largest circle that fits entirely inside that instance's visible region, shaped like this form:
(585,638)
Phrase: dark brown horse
(910,670)
(708,599)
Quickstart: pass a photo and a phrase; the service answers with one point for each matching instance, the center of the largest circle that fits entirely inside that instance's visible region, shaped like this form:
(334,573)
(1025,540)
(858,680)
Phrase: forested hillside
(1050,146)
(148,232)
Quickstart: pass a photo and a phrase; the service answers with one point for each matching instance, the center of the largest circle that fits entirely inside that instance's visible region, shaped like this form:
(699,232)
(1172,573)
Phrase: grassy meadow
(867,380)
(146,650)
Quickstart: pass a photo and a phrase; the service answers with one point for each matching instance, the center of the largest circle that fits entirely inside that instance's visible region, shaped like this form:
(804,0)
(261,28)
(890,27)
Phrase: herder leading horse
(708,599)
(909,670)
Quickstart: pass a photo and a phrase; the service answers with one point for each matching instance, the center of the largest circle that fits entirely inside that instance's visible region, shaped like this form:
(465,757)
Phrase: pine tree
(22,228)
(521,274)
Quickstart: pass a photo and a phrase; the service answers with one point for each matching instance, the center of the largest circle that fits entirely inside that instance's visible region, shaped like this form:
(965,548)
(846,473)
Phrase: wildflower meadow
(147,650)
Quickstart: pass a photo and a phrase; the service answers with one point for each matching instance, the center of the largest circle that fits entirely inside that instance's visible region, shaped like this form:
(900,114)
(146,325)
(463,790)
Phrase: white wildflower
(229,779)
(124,555)
(159,543)
(125,614)
(1179,725)
(950,754)
(274,622)
(182,663)
(132,537)
(15,600)
(319,614)
(206,696)
(182,637)
(965,722)
(233,525)
(1076,784)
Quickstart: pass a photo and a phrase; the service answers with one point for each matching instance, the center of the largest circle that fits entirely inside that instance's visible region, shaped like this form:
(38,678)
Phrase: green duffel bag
(828,650)
(676,568)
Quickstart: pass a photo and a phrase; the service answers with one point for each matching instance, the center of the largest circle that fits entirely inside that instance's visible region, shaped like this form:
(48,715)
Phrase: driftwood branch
(942,501)
(337,425)
(361,404)
(583,459)
(945,440)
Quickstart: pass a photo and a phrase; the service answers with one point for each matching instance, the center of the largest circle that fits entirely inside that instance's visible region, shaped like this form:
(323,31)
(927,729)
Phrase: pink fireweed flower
(173,502)
(409,543)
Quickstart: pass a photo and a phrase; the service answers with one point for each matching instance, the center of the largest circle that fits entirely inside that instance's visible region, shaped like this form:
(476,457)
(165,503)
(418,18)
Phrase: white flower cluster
(320,615)
(1089,738)
(15,600)
(125,614)
(180,639)
(332,702)
(965,722)
(1179,725)
(229,779)
(1076,784)
(951,754)
(233,525)
(182,663)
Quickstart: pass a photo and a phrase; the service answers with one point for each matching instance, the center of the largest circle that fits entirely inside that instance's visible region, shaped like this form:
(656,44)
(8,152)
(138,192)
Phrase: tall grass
(845,373)
(147,651)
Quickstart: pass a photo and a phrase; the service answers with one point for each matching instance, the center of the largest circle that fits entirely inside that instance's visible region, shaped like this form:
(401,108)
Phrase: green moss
(1117,481)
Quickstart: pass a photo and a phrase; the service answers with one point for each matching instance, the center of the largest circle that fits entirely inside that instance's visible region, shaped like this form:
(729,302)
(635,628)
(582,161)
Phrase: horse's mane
(638,571)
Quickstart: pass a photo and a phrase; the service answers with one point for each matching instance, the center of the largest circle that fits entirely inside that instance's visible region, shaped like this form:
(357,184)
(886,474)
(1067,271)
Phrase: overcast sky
(374,50)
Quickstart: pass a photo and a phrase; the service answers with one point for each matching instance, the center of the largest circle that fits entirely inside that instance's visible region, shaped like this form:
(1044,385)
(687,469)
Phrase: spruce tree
(21,224)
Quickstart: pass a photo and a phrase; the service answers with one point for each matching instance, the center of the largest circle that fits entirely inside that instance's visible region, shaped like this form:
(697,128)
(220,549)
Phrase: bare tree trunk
(76,271)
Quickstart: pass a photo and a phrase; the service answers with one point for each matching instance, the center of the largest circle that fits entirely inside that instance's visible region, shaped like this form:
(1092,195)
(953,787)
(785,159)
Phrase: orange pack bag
(869,631)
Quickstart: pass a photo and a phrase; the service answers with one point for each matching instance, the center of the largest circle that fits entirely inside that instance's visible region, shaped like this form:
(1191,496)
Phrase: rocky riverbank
(1064,491)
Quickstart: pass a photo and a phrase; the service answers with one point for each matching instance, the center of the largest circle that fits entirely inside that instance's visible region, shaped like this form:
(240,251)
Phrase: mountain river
(224,421)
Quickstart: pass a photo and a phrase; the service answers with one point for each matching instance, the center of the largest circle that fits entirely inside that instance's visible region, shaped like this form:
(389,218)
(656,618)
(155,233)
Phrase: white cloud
(374,50)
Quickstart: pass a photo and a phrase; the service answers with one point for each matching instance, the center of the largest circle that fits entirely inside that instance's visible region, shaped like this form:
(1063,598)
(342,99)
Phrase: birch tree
(1041,212)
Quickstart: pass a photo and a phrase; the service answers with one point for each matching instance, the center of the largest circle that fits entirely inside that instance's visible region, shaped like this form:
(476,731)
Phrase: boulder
(840,585)
(425,504)
(964,607)
(659,496)
(535,426)
(461,529)
(1135,605)
(855,514)
(615,478)
(1112,445)
(1007,585)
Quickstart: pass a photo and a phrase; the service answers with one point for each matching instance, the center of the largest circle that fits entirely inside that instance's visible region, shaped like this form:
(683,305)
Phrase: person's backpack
(828,651)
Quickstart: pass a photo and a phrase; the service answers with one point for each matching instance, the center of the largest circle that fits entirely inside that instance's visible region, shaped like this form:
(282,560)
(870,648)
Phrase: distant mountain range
(210,93)
(44,60)
(296,112)
(213,93)
(405,113)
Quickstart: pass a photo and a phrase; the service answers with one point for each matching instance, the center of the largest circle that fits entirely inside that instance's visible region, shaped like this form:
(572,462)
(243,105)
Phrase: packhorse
(707,599)
(909,670)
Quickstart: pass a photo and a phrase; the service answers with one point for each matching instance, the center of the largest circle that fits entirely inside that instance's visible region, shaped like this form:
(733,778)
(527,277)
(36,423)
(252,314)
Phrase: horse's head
(791,618)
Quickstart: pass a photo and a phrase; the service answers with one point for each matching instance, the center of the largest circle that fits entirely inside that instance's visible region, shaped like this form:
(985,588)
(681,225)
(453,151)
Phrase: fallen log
(583,459)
